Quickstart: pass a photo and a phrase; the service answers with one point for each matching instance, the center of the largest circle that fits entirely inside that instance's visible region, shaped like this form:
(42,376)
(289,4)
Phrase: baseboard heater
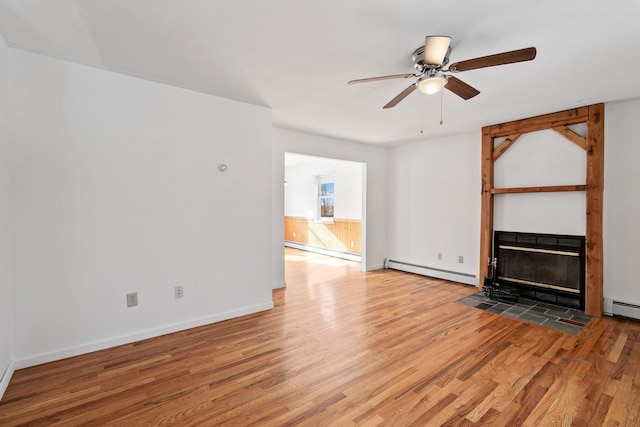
(440,273)
(351,256)
(626,309)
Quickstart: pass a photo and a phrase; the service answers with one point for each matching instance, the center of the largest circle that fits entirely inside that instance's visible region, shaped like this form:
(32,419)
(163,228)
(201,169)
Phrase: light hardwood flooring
(343,348)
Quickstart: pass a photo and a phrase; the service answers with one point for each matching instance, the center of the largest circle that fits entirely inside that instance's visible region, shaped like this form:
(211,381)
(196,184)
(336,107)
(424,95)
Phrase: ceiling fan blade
(402,95)
(373,79)
(519,55)
(460,88)
(435,49)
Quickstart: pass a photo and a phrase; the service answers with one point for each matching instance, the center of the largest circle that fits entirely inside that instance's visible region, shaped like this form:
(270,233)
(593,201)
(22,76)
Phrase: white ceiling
(295,56)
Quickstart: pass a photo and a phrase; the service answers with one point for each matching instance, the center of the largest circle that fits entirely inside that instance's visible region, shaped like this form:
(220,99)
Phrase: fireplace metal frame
(560,244)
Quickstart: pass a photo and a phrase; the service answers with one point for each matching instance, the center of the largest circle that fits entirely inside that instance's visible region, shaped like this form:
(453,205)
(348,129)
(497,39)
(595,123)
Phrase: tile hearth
(552,316)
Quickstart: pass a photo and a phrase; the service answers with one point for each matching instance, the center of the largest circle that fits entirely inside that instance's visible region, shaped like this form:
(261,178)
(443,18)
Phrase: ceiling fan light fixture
(431,85)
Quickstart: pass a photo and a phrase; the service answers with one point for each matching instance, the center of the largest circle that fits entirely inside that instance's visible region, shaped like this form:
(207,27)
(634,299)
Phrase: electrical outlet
(353,243)
(132,299)
(460,259)
(439,257)
(179,291)
(294,234)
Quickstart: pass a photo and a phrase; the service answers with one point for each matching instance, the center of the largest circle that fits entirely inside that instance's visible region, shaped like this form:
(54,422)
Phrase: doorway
(324,208)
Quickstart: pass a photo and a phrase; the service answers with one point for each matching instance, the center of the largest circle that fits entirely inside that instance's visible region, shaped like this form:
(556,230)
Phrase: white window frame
(325,179)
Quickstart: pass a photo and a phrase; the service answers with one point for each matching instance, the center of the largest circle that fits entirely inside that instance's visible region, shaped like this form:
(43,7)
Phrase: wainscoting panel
(341,235)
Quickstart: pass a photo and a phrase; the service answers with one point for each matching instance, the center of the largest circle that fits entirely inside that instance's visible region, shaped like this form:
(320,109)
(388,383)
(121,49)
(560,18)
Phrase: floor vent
(626,309)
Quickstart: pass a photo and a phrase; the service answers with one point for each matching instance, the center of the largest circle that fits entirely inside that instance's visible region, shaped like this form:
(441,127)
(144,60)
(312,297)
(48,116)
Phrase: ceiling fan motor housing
(419,62)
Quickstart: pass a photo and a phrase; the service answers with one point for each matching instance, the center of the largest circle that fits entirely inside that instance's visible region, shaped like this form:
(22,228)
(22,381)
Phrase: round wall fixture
(222,167)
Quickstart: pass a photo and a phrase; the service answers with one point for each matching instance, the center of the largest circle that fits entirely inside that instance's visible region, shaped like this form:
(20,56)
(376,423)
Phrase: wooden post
(594,207)
(486,220)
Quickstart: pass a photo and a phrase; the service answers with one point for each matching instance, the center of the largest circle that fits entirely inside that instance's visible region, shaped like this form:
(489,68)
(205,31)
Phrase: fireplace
(543,267)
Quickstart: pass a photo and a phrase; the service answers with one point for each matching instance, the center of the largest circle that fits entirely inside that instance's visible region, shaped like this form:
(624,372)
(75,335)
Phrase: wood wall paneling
(341,235)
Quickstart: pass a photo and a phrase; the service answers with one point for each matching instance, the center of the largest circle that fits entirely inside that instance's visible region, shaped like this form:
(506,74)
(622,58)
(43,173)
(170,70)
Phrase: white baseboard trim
(138,336)
(6,378)
(279,285)
(323,251)
(607,307)
(454,276)
(374,267)
(625,309)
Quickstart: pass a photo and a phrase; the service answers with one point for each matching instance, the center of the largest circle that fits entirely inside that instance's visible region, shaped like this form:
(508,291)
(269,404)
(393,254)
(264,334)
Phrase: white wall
(434,204)
(374,202)
(542,158)
(622,202)
(300,193)
(6,306)
(115,190)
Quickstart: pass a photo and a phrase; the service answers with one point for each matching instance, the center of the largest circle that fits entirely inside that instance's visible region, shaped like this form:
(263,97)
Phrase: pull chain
(441,95)
(422,115)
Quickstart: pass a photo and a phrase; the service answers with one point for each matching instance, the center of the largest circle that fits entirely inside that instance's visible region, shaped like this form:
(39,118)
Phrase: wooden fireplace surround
(593,144)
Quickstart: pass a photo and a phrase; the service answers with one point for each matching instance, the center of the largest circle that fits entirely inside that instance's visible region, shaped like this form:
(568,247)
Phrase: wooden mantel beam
(547,189)
(533,124)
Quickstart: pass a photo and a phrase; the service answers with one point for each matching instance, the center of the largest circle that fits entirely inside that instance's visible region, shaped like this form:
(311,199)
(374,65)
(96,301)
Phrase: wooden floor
(344,348)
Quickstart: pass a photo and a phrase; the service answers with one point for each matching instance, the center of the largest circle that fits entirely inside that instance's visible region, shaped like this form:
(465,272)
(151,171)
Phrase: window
(325,199)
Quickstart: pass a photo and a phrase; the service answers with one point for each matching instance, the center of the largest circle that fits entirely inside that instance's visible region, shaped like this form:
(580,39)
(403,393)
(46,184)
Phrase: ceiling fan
(430,61)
